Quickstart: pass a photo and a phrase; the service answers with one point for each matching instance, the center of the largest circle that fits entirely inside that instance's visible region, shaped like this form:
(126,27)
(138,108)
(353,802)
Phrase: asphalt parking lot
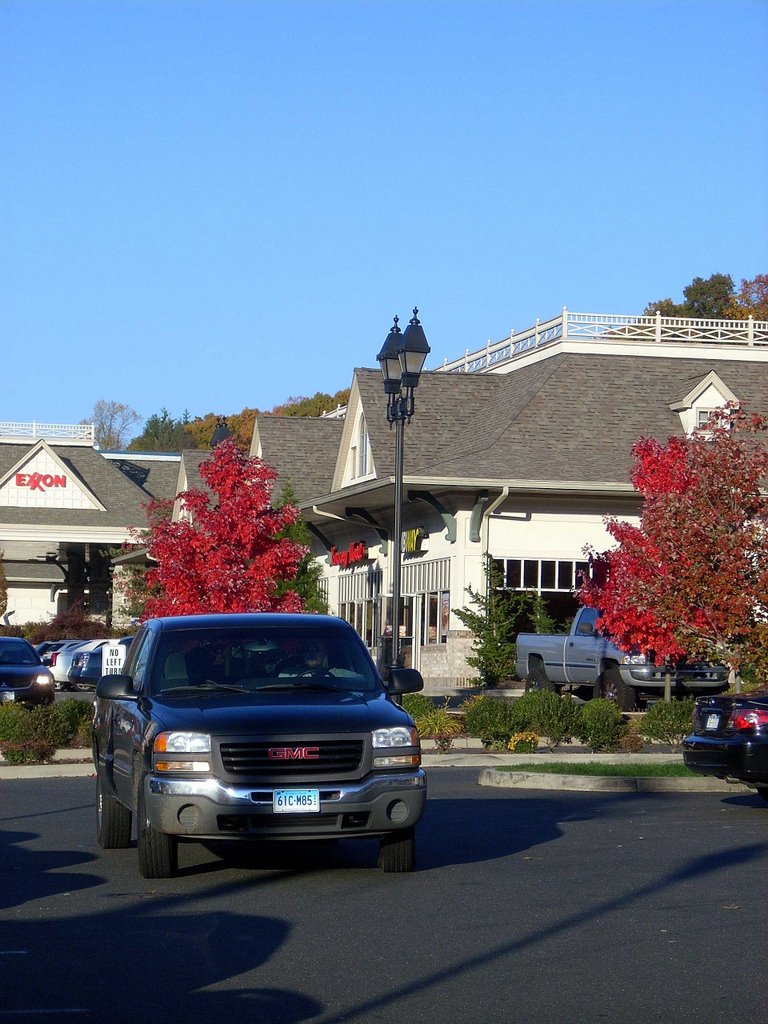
(563,908)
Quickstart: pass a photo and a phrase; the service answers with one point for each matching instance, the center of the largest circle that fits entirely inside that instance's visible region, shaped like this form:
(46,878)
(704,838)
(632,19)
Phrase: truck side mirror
(404,680)
(586,628)
(116,687)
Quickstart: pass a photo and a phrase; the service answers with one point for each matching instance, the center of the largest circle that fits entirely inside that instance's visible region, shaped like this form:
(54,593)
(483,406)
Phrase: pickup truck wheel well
(537,678)
(611,686)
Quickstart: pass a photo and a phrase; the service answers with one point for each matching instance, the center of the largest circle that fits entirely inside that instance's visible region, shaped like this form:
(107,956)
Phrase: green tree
(705,298)
(163,433)
(495,617)
(306,582)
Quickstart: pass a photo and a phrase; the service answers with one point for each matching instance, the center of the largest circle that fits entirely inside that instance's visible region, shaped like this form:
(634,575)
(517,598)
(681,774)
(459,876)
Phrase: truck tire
(537,676)
(158,851)
(397,851)
(113,820)
(613,687)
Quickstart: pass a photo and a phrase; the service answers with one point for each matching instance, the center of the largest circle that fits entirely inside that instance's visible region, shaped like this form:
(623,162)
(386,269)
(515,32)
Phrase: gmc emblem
(293,753)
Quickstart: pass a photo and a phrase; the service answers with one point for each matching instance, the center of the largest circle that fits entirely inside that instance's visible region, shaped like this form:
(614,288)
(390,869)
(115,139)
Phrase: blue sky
(213,204)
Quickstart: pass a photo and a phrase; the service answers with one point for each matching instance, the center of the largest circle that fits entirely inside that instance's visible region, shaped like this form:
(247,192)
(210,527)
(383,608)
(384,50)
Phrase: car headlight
(398,736)
(44,680)
(182,743)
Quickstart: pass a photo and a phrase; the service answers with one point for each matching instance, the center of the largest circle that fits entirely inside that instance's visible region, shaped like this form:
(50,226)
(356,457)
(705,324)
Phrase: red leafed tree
(692,578)
(228,552)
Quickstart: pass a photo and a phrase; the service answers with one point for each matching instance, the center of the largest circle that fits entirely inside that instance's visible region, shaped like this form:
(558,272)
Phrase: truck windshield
(243,660)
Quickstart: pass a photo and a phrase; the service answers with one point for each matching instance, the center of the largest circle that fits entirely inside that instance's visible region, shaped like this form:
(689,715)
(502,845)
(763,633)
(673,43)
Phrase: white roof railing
(655,329)
(81,432)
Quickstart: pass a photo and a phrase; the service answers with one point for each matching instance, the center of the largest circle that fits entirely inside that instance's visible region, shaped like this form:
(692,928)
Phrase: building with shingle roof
(518,451)
(65,507)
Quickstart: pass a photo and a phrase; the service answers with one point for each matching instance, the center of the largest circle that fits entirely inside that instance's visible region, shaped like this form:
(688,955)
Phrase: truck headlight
(634,659)
(399,736)
(182,743)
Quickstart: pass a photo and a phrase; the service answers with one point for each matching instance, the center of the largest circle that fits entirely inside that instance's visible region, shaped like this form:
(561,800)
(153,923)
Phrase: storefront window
(435,616)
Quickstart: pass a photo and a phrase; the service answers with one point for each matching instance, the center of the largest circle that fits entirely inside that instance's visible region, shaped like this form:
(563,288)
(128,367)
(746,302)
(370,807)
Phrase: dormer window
(695,409)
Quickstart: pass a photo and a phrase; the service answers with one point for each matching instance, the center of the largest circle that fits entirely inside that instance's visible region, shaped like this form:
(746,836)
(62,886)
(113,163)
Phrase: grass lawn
(633,769)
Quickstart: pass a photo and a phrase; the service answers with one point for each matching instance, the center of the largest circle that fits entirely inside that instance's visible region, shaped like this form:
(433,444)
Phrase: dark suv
(255,727)
(23,676)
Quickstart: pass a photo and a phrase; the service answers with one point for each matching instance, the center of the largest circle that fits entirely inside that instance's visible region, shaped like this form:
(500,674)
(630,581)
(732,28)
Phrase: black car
(23,676)
(730,739)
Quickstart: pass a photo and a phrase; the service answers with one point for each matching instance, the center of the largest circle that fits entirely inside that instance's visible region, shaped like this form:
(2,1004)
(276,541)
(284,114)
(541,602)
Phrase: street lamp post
(402,359)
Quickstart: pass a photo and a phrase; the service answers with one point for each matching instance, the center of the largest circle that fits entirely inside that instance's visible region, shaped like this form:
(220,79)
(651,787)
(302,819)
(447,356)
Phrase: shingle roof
(571,417)
(122,489)
(303,450)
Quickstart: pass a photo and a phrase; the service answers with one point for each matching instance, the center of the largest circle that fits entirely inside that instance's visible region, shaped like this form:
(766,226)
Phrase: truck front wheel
(158,851)
(397,851)
(537,677)
(113,819)
(613,687)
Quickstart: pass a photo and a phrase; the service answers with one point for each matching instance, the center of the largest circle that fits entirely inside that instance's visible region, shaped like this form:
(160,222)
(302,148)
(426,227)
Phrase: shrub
(33,734)
(490,719)
(631,742)
(74,718)
(601,725)
(13,723)
(523,742)
(525,711)
(416,704)
(555,717)
(438,724)
(668,721)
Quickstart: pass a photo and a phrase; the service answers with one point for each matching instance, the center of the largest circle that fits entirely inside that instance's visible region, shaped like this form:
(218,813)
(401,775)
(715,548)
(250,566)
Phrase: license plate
(712,722)
(296,801)
(8,694)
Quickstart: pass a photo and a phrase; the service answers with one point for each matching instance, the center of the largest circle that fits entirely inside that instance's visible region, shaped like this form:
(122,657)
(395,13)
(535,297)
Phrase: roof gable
(41,479)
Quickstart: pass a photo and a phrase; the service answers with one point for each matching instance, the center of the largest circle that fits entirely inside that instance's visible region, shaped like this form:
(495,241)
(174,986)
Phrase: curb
(78,764)
(607,783)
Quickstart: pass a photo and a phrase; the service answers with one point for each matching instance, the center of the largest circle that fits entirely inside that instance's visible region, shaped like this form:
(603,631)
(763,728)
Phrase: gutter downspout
(485,527)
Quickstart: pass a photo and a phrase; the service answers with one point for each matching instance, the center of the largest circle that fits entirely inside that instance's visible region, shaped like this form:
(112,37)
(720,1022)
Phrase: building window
(543,575)
(435,614)
(362,449)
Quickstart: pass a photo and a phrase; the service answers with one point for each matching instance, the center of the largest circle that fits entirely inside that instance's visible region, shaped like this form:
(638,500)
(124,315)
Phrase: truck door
(127,721)
(582,649)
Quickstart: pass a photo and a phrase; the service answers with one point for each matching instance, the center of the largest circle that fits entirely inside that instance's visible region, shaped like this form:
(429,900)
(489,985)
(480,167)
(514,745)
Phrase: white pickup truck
(589,663)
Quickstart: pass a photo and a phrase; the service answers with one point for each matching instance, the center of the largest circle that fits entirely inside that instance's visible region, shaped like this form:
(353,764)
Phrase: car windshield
(17,652)
(261,659)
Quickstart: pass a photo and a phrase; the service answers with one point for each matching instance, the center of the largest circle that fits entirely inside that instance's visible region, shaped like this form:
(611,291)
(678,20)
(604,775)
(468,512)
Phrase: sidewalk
(469,753)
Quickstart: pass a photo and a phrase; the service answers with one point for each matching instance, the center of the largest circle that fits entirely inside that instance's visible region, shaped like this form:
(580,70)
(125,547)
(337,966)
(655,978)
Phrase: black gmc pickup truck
(254,727)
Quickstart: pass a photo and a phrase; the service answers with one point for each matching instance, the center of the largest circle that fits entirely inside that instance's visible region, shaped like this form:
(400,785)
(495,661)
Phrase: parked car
(88,665)
(730,739)
(23,676)
(59,661)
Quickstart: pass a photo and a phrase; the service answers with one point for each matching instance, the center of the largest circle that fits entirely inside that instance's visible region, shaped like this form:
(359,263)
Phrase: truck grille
(254,758)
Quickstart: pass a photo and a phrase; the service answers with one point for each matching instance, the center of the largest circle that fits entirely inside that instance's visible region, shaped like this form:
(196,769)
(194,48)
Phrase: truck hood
(275,713)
